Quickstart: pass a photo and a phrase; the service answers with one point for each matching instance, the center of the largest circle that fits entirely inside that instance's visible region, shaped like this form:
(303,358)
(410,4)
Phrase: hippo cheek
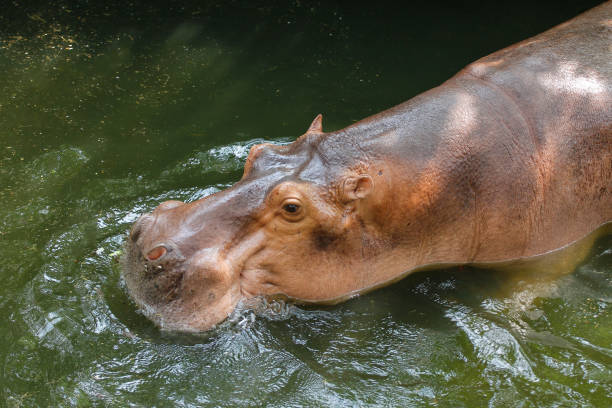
(203,296)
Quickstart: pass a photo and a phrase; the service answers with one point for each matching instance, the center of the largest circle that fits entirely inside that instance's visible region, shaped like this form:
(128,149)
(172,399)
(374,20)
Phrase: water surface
(109,108)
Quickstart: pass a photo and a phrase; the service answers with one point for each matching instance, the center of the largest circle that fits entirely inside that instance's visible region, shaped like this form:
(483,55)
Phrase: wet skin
(506,165)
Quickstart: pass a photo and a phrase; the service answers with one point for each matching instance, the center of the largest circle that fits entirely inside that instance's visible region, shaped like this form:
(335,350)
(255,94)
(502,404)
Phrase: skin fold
(506,165)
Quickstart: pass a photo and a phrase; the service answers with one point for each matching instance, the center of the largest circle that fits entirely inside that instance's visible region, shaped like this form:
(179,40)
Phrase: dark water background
(108,108)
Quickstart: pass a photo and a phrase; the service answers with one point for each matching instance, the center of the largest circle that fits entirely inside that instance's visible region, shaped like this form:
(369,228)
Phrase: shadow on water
(108,108)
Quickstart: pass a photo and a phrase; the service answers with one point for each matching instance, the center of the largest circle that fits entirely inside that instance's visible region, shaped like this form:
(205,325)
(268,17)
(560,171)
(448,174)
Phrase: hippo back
(561,83)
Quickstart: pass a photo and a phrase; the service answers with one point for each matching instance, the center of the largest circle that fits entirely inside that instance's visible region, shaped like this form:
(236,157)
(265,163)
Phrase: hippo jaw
(176,268)
(178,293)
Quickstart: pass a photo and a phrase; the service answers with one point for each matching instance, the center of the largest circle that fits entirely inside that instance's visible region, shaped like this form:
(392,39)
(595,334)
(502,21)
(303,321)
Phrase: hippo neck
(421,155)
(442,184)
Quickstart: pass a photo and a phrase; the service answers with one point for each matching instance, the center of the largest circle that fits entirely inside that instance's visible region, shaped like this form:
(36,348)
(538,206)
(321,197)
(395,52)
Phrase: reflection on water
(100,123)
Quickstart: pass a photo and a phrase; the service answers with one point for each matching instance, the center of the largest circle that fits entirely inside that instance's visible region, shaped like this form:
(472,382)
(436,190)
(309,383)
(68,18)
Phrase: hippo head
(293,226)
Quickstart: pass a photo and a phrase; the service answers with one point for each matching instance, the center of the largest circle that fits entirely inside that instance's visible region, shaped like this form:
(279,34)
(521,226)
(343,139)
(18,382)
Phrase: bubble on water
(44,326)
(222,159)
(247,311)
(495,346)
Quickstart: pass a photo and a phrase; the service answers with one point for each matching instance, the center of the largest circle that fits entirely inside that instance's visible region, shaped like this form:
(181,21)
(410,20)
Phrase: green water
(108,108)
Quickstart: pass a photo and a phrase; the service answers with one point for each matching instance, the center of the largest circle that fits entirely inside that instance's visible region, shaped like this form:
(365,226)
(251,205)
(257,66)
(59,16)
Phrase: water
(108,108)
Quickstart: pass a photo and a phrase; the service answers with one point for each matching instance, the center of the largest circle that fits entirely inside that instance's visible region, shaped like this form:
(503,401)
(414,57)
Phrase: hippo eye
(292,209)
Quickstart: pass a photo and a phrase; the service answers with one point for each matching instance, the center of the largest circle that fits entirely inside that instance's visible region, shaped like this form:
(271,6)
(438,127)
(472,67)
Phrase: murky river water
(108,108)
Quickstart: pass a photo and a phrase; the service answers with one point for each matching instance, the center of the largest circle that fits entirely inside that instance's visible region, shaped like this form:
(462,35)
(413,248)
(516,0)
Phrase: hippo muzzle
(177,285)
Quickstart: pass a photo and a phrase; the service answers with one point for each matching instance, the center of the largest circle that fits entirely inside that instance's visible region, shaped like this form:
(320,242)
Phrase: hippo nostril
(156,253)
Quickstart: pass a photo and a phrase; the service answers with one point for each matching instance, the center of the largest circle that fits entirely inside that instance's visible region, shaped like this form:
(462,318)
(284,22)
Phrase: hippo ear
(355,188)
(317,125)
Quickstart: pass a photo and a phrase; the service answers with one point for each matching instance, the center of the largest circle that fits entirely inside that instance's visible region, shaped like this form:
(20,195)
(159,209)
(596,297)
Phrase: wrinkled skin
(508,160)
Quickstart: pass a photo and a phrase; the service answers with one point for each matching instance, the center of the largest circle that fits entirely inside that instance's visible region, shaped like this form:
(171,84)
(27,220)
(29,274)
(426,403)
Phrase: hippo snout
(153,276)
(149,223)
(152,256)
(175,268)
(145,221)
(154,262)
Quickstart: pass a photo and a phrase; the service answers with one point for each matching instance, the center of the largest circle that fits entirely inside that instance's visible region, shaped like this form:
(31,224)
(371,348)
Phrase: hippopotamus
(507,165)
